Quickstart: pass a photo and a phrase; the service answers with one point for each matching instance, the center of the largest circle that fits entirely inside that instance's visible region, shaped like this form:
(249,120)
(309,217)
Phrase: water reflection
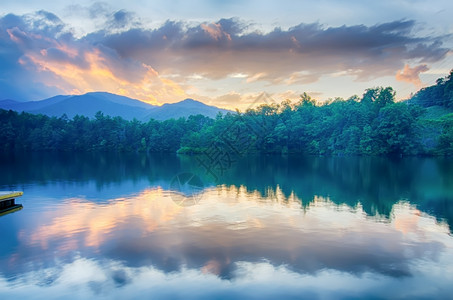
(376,183)
(230,226)
(274,227)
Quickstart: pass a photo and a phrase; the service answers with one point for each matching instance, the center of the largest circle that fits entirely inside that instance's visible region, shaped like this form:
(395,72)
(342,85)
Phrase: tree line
(29,132)
(440,94)
(373,124)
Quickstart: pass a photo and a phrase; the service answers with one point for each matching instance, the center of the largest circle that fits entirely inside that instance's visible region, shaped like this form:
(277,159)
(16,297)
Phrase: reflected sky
(130,239)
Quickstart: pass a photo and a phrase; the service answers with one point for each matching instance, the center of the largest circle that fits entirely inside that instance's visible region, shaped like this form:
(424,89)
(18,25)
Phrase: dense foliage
(27,132)
(371,125)
(440,94)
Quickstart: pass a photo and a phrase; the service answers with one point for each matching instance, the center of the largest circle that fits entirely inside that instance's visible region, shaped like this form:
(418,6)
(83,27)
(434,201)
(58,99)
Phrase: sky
(223,53)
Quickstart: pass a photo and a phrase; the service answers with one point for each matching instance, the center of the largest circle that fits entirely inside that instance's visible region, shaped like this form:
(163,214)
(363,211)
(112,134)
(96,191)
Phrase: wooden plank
(7,202)
(8,195)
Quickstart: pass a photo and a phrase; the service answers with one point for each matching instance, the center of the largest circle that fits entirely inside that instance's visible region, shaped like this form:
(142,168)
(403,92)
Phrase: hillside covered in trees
(373,124)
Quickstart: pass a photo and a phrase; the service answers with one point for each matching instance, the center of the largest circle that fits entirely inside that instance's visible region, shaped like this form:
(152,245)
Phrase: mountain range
(112,105)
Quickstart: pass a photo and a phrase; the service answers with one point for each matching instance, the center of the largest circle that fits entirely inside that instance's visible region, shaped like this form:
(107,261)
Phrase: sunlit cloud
(215,31)
(77,67)
(411,75)
(176,59)
(151,207)
(243,101)
(407,220)
(224,48)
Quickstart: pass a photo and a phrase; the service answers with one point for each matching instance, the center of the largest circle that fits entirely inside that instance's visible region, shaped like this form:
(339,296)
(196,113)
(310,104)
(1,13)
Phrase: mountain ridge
(112,105)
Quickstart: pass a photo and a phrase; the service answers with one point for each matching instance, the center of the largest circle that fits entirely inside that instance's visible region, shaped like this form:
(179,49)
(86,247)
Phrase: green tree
(397,131)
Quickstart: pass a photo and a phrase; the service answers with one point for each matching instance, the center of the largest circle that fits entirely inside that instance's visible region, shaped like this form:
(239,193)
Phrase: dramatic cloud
(301,53)
(51,56)
(159,64)
(411,75)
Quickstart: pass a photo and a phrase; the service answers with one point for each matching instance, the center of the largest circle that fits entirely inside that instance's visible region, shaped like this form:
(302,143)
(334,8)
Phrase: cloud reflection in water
(235,243)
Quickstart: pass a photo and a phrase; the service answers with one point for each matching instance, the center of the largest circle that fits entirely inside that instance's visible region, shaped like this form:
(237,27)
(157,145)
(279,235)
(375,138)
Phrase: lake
(126,226)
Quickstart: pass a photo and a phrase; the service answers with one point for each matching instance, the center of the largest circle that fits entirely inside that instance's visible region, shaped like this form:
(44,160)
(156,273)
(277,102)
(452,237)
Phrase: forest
(373,124)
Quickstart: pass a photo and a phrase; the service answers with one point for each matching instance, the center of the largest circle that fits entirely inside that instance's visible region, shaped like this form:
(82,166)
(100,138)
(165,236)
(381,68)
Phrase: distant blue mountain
(31,105)
(112,105)
(183,108)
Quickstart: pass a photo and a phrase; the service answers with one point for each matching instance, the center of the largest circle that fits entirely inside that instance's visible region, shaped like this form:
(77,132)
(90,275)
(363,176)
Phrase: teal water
(112,226)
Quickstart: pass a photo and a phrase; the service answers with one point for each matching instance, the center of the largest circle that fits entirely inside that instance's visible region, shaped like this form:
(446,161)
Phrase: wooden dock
(8,202)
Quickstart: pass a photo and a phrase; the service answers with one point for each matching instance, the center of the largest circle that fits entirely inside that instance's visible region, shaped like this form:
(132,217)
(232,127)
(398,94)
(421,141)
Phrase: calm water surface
(266,227)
